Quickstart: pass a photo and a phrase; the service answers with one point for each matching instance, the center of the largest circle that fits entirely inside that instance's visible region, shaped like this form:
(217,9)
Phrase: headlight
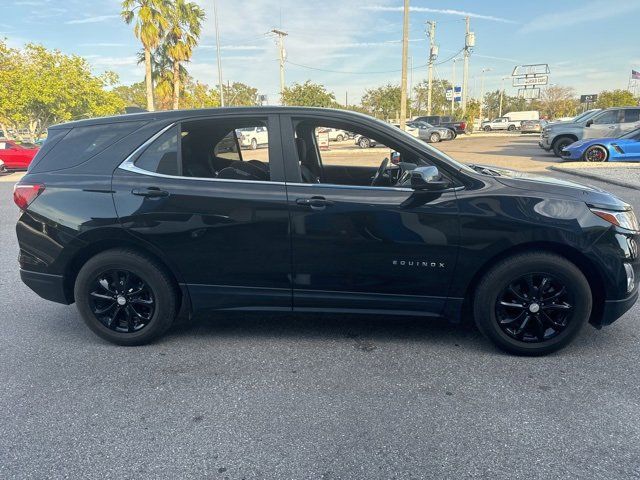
(625,219)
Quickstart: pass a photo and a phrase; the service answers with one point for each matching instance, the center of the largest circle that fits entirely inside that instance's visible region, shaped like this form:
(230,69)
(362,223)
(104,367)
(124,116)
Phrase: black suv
(144,218)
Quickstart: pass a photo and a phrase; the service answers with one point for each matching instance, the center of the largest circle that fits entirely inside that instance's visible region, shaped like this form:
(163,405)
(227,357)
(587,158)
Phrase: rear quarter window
(80,144)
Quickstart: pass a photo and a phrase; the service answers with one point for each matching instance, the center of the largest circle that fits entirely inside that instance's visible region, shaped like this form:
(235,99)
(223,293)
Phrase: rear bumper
(50,287)
(614,309)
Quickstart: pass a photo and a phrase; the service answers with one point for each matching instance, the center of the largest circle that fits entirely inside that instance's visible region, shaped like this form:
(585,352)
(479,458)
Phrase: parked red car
(16,156)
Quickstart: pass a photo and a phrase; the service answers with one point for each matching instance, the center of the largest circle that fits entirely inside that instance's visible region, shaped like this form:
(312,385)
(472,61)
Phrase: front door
(361,247)
(216,213)
(604,125)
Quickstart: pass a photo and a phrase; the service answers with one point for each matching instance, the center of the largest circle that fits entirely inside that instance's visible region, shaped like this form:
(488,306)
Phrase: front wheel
(125,297)
(532,303)
(339,138)
(511,128)
(434,137)
(596,153)
(560,144)
(487,128)
(364,142)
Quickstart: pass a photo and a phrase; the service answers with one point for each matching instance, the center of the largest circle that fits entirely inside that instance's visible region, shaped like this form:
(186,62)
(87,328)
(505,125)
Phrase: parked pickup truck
(445,121)
(500,123)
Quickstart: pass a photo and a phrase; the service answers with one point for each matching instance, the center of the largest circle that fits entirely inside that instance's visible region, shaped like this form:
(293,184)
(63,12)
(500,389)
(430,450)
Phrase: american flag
(635,75)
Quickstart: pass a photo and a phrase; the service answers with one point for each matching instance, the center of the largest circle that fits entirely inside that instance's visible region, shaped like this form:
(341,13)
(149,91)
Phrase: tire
(560,143)
(487,128)
(339,138)
(511,128)
(492,317)
(595,153)
(364,142)
(434,137)
(453,134)
(254,144)
(96,281)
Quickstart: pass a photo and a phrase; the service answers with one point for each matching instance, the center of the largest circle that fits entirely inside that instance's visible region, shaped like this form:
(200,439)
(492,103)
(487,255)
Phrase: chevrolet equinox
(145,218)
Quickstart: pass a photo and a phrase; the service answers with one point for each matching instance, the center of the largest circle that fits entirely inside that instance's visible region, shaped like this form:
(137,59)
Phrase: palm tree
(150,23)
(184,26)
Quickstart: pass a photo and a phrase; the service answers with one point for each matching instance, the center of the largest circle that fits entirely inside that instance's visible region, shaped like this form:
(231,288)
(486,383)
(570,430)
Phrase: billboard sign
(530,81)
(535,69)
(588,98)
(529,93)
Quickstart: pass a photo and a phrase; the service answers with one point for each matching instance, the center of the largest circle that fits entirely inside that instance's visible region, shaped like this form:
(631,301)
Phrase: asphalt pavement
(317,396)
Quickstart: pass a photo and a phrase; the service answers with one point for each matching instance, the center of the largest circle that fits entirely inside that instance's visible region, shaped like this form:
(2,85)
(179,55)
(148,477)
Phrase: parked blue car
(621,149)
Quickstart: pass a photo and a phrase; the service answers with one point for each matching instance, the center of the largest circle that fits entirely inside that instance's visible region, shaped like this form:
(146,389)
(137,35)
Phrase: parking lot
(318,396)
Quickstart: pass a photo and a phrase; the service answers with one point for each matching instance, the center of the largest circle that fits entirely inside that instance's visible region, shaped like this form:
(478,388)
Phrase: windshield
(633,134)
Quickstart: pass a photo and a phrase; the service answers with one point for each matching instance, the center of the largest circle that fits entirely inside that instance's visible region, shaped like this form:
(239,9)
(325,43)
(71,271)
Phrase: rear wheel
(453,134)
(125,298)
(532,304)
(560,144)
(339,138)
(511,128)
(487,128)
(364,142)
(596,153)
(434,137)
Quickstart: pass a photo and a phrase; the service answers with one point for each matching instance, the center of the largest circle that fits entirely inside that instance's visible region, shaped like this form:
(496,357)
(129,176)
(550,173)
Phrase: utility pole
(405,54)
(433,54)
(281,34)
(453,86)
(482,91)
(469,43)
(220,85)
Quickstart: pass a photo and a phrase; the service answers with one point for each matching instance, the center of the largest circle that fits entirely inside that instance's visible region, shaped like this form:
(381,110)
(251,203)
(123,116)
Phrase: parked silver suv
(611,122)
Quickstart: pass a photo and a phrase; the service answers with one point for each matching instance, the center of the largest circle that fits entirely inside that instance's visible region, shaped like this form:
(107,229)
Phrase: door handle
(151,192)
(316,203)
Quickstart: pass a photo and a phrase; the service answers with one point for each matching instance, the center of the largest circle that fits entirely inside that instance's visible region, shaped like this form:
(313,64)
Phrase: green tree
(199,95)
(41,87)
(240,95)
(150,25)
(308,94)
(439,102)
(184,26)
(615,98)
(382,102)
(132,95)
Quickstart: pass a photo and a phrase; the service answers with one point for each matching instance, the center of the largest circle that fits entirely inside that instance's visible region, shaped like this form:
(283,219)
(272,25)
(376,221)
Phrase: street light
(502,94)
(482,90)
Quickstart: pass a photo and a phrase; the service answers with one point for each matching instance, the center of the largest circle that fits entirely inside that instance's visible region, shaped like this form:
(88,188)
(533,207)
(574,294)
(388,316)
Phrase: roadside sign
(588,98)
(529,93)
(458,92)
(323,140)
(528,81)
(535,69)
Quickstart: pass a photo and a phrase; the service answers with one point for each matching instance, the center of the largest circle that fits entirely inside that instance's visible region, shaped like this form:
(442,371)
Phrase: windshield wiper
(485,170)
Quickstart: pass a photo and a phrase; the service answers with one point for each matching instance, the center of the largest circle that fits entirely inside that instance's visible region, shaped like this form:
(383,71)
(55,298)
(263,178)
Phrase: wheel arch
(584,264)
(90,250)
(565,135)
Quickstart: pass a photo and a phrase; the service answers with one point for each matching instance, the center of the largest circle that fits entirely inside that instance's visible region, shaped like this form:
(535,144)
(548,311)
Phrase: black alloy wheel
(126,297)
(534,308)
(122,301)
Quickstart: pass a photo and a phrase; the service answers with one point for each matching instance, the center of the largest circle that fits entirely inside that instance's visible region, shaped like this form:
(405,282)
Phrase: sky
(352,45)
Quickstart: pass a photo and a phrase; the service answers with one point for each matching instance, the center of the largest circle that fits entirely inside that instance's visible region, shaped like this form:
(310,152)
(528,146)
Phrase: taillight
(463,125)
(25,193)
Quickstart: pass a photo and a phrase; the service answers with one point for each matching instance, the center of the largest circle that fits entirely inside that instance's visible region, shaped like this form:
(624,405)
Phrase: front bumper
(544,143)
(50,287)
(614,309)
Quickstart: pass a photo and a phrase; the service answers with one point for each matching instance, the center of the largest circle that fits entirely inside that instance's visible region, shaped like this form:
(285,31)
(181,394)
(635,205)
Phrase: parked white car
(335,134)
(500,123)
(253,137)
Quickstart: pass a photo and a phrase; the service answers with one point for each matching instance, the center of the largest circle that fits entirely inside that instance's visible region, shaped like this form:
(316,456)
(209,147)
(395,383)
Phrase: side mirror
(589,123)
(427,179)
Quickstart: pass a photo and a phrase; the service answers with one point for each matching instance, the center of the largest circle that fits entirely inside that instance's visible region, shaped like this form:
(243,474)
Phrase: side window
(631,115)
(610,116)
(227,149)
(354,162)
(162,155)
(4,145)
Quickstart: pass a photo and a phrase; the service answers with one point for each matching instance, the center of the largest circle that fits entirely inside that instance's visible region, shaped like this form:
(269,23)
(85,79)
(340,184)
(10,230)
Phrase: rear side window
(82,143)
(632,115)
(162,154)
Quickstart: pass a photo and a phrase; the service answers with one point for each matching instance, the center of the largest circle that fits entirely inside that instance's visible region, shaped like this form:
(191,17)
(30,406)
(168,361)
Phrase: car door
(12,155)
(630,120)
(225,231)
(604,125)
(364,248)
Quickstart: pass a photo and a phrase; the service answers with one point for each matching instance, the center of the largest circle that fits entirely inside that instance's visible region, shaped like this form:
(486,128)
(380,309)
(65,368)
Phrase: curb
(579,173)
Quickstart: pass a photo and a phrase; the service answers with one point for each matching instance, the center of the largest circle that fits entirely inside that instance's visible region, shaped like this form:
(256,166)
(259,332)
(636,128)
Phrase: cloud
(442,11)
(590,12)
(96,19)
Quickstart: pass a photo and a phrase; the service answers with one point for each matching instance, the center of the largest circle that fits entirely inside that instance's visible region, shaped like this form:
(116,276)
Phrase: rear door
(215,213)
